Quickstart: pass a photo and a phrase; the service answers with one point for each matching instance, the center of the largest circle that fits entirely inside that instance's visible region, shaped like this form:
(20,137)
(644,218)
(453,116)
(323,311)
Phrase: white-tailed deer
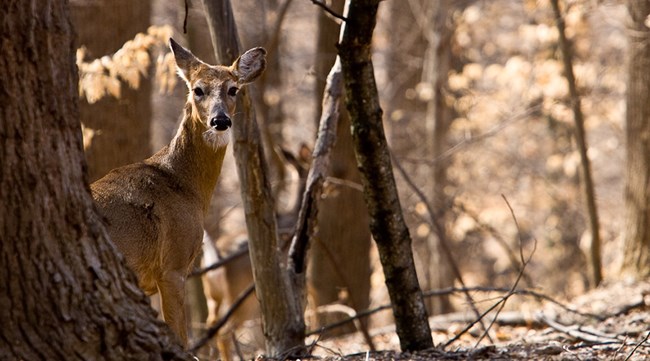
(154,210)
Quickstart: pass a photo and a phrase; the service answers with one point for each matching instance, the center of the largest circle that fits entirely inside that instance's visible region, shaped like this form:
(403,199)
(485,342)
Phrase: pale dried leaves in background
(103,76)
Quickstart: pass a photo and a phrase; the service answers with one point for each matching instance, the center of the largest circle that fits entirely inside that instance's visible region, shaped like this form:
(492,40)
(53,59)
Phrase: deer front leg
(172,295)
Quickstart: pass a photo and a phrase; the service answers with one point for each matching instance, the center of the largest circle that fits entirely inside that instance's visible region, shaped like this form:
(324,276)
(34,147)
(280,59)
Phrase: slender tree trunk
(637,178)
(373,158)
(122,124)
(282,316)
(65,292)
(581,139)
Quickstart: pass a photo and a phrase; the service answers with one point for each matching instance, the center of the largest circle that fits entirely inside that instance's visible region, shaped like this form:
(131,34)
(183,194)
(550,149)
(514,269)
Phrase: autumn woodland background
(479,120)
(490,122)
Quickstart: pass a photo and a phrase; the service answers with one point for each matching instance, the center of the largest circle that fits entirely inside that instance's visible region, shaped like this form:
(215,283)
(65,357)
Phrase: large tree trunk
(637,191)
(282,316)
(340,258)
(122,125)
(65,294)
(373,158)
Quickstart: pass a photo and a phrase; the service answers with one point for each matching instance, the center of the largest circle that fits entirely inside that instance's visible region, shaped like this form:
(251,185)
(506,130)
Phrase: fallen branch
(352,314)
(525,292)
(579,333)
(454,290)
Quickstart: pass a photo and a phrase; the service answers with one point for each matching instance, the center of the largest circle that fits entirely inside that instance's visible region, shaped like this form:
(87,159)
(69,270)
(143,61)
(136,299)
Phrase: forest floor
(608,323)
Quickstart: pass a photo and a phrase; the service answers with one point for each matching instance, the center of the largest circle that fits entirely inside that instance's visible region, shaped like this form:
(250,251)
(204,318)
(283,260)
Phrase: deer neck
(195,159)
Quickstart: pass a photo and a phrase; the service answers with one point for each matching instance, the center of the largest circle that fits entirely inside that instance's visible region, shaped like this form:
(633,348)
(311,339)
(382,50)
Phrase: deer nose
(221,122)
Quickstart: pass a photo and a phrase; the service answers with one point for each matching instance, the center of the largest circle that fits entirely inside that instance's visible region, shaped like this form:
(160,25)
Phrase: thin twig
(442,237)
(329,10)
(525,292)
(575,332)
(581,140)
(524,263)
(497,236)
(474,140)
(185,18)
(214,329)
(637,346)
(231,257)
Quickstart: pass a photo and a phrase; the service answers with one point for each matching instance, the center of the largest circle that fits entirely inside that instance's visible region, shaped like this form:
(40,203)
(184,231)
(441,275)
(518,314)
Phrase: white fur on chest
(217,139)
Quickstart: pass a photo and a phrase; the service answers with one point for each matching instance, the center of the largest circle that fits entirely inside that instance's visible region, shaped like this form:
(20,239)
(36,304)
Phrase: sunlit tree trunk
(65,292)
(637,181)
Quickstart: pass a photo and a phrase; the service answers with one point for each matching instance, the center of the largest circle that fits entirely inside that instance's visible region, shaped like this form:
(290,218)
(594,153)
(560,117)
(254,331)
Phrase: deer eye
(198,92)
(232,91)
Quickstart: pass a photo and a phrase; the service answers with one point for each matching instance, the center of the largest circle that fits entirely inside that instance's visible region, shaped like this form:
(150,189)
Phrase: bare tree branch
(453,290)
(214,329)
(328,10)
(308,214)
(222,262)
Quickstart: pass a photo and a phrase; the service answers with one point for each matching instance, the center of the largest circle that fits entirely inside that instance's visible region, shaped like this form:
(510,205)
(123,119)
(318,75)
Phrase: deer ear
(250,65)
(185,60)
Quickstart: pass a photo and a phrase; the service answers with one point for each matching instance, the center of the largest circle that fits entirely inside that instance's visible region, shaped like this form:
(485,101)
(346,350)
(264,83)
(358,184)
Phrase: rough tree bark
(581,140)
(637,178)
(373,158)
(65,293)
(282,317)
(123,124)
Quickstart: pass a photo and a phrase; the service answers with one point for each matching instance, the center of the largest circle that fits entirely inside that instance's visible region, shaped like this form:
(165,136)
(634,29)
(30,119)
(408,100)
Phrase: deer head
(213,88)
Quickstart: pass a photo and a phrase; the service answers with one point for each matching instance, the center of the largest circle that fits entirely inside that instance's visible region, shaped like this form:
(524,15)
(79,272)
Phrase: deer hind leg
(172,295)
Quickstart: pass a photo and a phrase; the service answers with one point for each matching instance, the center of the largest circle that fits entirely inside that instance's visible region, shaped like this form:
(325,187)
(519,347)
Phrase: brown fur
(154,210)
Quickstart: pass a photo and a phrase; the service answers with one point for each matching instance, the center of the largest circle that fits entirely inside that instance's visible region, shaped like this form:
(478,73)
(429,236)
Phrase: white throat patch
(217,139)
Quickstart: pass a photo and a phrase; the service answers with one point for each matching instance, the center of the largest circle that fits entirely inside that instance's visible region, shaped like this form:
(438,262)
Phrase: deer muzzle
(221,122)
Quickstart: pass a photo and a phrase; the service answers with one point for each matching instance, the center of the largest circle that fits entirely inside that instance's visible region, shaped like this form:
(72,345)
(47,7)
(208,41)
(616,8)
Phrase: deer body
(154,210)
